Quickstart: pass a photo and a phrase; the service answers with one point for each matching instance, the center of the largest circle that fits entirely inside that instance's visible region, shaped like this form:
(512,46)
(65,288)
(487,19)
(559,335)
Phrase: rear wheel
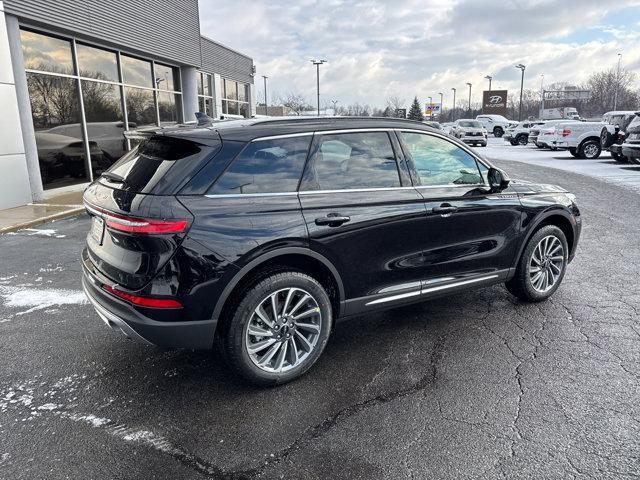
(498,132)
(513,142)
(542,265)
(522,139)
(590,149)
(278,329)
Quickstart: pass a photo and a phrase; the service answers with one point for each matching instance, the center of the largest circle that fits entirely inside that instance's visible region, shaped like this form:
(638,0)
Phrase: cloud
(413,47)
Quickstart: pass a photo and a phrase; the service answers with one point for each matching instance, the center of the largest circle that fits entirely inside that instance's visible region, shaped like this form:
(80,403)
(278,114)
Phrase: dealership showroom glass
(73,86)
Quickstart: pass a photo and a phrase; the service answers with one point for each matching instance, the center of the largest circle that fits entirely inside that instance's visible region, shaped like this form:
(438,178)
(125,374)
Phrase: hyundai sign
(494,102)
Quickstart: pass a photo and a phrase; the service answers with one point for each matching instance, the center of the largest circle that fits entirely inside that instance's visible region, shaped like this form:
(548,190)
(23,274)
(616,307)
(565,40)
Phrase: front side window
(440,162)
(265,166)
(352,161)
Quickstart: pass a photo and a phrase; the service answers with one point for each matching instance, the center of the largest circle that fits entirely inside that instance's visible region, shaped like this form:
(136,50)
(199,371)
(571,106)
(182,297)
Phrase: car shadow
(632,168)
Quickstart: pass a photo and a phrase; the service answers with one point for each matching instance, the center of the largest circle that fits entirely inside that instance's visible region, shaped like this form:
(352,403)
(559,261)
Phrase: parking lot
(472,386)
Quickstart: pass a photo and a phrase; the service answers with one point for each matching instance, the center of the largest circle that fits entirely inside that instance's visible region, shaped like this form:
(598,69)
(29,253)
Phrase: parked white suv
(519,134)
(496,124)
(470,131)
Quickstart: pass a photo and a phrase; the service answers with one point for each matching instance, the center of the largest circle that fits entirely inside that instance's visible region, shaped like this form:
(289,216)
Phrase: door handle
(444,209)
(333,220)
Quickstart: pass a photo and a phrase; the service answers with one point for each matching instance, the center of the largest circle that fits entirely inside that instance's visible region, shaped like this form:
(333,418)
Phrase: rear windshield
(144,169)
(470,124)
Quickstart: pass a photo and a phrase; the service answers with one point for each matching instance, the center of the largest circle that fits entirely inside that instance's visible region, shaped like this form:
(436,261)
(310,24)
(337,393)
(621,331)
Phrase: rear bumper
(631,150)
(120,316)
(474,140)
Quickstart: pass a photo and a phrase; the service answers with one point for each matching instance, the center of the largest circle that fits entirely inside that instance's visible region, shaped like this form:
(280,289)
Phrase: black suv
(257,235)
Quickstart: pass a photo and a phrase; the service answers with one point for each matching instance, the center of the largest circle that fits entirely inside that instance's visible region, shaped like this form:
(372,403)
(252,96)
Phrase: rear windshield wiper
(114,177)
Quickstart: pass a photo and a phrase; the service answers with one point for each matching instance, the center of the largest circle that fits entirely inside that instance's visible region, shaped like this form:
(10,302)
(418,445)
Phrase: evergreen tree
(415,112)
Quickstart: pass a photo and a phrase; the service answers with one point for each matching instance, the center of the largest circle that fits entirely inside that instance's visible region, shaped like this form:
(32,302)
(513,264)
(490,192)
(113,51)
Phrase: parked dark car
(625,146)
(257,235)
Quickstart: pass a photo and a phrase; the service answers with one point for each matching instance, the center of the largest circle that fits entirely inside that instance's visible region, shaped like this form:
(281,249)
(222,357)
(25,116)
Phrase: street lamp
(266,109)
(521,67)
(317,63)
(489,77)
(469,97)
(430,108)
(453,110)
(615,95)
(441,97)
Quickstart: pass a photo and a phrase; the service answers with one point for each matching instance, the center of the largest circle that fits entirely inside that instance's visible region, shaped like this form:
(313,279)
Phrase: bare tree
(295,102)
(393,103)
(355,110)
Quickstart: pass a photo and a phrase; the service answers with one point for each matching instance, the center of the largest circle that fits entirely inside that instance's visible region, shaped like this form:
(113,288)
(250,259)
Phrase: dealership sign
(494,101)
(432,108)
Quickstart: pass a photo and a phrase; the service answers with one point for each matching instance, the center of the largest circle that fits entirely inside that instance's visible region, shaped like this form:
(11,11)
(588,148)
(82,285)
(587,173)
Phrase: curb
(41,220)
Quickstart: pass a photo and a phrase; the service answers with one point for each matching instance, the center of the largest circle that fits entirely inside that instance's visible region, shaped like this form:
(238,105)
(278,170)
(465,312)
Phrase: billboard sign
(494,102)
(432,109)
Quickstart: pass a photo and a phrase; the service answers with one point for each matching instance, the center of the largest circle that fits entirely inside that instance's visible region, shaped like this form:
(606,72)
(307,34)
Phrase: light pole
(441,97)
(453,110)
(615,95)
(469,98)
(489,77)
(266,105)
(317,63)
(541,94)
(521,67)
(430,108)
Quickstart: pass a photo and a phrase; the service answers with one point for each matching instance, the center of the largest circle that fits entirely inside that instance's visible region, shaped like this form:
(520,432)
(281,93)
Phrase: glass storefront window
(55,108)
(167,106)
(105,123)
(97,63)
(136,72)
(166,77)
(207,85)
(209,107)
(230,90)
(242,92)
(141,107)
(49,54)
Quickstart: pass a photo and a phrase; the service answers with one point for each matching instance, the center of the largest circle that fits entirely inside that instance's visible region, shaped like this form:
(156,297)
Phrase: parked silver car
(470,131)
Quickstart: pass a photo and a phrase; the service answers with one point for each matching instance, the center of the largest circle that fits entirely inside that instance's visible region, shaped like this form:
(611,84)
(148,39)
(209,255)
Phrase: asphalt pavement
(472,386)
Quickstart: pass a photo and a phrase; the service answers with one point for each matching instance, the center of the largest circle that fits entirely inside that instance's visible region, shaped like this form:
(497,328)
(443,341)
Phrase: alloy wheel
(546,264)
(283,330)
(590,150)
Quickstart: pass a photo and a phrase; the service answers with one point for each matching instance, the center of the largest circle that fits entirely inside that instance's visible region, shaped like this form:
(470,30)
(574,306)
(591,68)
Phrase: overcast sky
(421,47)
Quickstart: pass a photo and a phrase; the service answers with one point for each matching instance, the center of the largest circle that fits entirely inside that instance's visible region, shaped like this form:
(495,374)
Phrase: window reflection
(141,108)
(136,72)
(55,109)
(354,160)
(440,162)
(230,89)
(46,53)
(105,125)
(167,106)
(166,77)
(97,63)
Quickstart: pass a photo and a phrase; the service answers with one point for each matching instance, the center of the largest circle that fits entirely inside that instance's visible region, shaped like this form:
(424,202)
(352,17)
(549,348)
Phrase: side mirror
(498,179)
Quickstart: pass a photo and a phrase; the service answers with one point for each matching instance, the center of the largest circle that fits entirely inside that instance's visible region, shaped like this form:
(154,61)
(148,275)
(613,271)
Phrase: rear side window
(265,166)
(352,160)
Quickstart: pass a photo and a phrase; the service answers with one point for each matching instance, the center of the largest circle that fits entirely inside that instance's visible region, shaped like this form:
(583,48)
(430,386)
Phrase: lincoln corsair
(257,235)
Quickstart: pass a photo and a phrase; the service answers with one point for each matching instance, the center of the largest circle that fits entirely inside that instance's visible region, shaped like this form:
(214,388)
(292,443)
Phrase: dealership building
(75,75)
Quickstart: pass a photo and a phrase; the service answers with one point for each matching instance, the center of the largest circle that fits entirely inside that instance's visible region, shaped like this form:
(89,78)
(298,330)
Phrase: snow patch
(90,419)
(47,232)
(49,406)
(57,268)
(39,299)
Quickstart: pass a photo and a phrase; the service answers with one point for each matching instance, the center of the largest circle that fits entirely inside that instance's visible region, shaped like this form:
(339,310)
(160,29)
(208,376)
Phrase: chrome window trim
(243,195)
(284,135)
(372,189)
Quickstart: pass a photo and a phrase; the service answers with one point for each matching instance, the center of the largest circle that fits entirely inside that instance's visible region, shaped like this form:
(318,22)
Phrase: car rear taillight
(149,302)
(566,132)
(123,223)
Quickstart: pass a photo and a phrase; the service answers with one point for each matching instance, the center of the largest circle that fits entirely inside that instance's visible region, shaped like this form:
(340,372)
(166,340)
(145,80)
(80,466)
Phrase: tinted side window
(440,162)
(352,160)
(265,166)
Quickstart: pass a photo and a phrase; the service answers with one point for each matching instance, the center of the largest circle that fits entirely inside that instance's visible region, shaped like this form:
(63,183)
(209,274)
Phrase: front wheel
(542,265)
(279,329)
(498,132)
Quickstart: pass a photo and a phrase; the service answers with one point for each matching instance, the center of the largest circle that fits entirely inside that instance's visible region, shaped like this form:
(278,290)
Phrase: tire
(606,138)
(590,149)
(634,160)
(522,284)
(279,367)
(513,142)
(538,145)
(522,139)
(619,157)
(573,151)
(498,132)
